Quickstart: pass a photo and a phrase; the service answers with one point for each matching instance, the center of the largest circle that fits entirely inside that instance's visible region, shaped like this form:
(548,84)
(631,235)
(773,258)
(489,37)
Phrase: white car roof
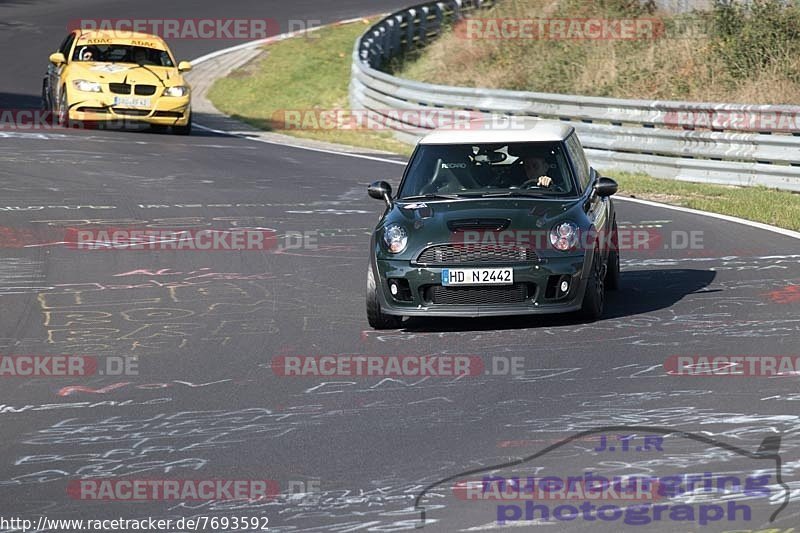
(502,130)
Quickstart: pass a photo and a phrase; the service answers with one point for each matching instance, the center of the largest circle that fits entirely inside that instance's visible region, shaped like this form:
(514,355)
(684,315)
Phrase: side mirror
(184,66)
(57,59)
(605,187)
(380,190)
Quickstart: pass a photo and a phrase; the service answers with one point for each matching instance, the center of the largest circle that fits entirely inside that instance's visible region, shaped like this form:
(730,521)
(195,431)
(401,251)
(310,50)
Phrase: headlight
(178,90)
(564,236)
(395,238)
(87,86)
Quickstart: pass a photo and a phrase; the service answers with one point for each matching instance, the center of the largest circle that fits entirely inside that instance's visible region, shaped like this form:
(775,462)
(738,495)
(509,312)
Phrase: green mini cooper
(494,219)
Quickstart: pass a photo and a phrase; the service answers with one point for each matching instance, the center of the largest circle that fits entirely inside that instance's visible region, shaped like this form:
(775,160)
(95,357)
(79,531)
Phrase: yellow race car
(104,76)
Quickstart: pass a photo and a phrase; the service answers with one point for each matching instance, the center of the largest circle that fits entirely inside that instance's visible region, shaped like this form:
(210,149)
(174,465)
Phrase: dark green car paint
(426,223)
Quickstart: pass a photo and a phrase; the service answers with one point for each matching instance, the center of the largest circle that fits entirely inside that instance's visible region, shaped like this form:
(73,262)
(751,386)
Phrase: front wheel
(63,109)
(612,273)
(595,295)
(45,97)
(375,316)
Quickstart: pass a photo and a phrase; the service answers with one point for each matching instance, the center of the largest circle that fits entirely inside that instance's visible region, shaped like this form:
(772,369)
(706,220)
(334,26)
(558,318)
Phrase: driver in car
(536,171)
(139,56)
(87,54)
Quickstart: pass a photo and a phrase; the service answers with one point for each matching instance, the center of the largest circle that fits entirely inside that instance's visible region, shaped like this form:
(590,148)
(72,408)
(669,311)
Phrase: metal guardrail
(729,144)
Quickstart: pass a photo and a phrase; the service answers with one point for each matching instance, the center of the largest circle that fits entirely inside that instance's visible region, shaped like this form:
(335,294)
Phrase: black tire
(63,109)
(612,271)
(378,319)
(46,106)
(183,130)
(595,295)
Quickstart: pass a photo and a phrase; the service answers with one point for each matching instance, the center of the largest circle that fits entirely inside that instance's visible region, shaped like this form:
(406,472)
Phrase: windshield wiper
(432,196)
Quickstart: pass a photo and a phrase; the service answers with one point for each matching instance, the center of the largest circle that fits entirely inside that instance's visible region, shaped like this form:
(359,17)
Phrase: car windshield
(480,170)
(122,53)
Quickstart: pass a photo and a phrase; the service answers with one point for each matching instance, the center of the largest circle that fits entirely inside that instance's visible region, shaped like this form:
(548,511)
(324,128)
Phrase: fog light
(393,288)
(564,286)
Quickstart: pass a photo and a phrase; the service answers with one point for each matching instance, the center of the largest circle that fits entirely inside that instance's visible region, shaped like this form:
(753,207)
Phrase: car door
(54,72)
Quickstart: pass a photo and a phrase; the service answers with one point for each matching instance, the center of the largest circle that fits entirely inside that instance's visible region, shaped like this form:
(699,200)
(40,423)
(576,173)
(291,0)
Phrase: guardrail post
(423,26)
(410,28)
(396,37)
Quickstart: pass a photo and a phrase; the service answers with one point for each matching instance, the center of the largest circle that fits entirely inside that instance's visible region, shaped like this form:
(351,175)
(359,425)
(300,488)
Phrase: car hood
(126,73)
(521,213)
(438,222)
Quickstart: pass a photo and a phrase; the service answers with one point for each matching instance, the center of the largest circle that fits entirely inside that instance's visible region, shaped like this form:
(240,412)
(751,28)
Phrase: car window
(579,158)
(63,44)
(478,169)
(122,53)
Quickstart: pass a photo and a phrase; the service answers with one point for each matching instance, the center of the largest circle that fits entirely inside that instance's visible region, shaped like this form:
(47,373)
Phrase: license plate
(130,101)
(477,276)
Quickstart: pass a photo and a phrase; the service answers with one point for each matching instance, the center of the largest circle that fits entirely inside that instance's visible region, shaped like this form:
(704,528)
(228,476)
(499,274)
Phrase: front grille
(119,88)
(507,295)
(131,112)
(145,90)
(475,254)
(92,110)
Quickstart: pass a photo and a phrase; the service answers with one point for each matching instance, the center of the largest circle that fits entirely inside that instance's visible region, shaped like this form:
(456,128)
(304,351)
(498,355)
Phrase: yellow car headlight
(178,90)
(87,86)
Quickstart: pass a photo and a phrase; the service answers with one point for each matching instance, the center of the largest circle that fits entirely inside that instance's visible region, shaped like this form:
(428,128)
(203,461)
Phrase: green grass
(760,204)
(745,52)
(306,73)
(303,74)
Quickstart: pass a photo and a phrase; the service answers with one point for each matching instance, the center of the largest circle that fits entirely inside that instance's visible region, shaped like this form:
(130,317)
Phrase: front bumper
(532,292)
(100,107)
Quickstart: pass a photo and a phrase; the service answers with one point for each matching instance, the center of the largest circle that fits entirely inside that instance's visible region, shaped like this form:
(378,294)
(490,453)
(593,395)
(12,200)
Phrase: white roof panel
(502,130)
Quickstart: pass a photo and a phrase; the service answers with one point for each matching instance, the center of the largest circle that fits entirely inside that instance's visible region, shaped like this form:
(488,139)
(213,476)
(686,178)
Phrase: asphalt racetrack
(348,453)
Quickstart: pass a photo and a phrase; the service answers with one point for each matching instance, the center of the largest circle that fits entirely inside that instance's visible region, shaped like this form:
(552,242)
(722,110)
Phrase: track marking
(310,148)
(759,225)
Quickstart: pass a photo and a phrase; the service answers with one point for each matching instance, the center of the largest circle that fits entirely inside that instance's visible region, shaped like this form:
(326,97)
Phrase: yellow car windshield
(123,53)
